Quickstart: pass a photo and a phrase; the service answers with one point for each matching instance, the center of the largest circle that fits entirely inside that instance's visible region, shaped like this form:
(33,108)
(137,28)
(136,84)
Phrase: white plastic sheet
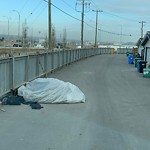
(51,90)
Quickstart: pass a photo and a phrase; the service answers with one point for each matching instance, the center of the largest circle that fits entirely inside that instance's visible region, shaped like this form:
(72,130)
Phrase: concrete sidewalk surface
(115,115)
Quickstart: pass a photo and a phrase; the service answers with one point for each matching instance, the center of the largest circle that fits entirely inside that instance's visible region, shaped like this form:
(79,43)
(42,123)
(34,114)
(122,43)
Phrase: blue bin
(130,59)
(141,64)
(138,65)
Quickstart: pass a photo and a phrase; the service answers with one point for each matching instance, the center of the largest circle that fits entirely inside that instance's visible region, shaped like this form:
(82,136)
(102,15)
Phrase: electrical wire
(24,6)
(65,12)
(34,9)
(84,21)
(114,33)
(124,18)
(93,3)
(114,15)
(68,4)
(89,19)
(39,14)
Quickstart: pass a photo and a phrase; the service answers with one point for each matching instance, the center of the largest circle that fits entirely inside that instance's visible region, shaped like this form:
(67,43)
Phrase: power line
(34,9)
(84,13)
(85,22)
(24,6)
(109,32)
(63,11)
(114,33)
(22,9)
(125,18)
(93,3)
(112,14)
(39,14)
(68,4)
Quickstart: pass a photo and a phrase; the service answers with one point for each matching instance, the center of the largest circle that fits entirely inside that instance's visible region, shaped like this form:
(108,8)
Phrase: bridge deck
(114,117)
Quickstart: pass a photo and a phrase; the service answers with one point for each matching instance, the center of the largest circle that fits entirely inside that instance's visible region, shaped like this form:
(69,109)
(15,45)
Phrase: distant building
(41,41)
(146,45)
(140,47)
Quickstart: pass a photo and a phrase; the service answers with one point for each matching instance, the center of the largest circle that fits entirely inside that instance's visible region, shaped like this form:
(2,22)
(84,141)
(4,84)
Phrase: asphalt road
(116,115)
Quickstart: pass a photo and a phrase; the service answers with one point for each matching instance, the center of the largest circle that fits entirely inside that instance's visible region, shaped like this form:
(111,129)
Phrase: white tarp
(51,90)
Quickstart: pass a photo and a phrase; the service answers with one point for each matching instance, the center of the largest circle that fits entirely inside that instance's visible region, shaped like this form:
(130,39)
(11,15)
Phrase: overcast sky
(118,17)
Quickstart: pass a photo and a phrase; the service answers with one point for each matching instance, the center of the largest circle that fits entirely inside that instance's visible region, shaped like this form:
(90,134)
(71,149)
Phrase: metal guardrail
(16,71)
(124,50)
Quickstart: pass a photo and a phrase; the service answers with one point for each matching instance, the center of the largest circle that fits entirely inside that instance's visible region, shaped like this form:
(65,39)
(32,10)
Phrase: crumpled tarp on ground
(51,90)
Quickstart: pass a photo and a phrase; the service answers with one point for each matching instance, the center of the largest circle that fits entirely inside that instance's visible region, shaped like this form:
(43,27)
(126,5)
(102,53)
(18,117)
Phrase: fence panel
(76,55)
(41,64)
(65,57)
(72,56)
(124,50)
(32,67)
(17,70)
(55,60)
(49,62)
(60,58)
(5,75)
(20,70)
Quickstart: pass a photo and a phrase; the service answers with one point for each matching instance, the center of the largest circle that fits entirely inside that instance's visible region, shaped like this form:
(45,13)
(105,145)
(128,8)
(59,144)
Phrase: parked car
(16,45)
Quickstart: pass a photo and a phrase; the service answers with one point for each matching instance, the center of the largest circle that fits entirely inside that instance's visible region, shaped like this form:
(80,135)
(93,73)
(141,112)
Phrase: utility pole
(18,26)
(121,35)
(142,23)
(85,7)
(97,11)
(82,24)
(49,26)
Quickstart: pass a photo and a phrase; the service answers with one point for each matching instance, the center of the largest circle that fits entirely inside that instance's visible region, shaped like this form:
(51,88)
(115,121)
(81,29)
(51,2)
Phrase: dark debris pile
(14,99)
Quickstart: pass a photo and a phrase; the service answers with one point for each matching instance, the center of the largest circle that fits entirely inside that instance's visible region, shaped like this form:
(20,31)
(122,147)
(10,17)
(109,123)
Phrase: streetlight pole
(8,24)
(97,11)
(18,25)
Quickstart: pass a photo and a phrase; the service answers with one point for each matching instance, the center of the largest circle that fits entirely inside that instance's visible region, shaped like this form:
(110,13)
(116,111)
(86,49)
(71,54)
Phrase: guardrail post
(37,65)
(67,57)
(45,63)
(27,69)
(79,54)
(58,59)
(13,73)
(70,56)
(52,60)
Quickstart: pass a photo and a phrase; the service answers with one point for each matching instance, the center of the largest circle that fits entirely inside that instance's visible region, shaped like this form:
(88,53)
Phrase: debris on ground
(43,90)
(1,105)
(12,100)
(18,100)
(51,90)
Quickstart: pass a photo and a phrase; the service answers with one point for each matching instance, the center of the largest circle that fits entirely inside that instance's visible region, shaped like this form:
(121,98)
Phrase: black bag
(35,105)
(13,100)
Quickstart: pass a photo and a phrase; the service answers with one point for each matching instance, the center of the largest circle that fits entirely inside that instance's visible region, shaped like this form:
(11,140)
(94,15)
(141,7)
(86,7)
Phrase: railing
(15,71)
(124,50)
